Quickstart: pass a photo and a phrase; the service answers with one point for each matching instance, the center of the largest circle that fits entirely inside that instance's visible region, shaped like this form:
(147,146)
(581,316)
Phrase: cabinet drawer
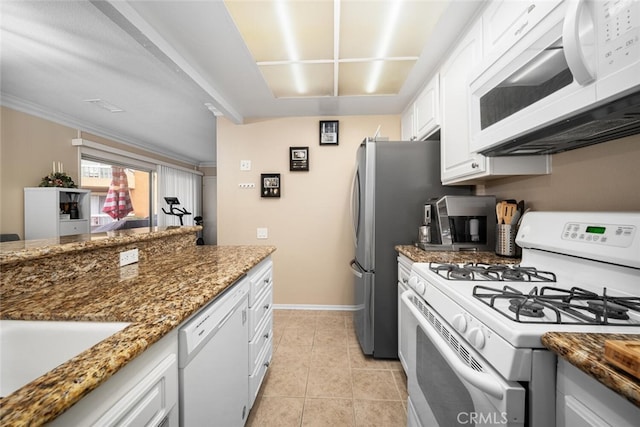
(260,340)
(259,310)
(262,279)
(149,402)
(257,376)
(78,226)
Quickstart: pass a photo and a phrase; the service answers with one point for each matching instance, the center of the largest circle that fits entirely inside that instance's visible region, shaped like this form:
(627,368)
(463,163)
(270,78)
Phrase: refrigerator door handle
(355,205)
(355,270)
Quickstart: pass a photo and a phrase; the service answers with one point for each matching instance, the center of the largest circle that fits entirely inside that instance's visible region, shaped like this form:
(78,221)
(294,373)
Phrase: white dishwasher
(213,362)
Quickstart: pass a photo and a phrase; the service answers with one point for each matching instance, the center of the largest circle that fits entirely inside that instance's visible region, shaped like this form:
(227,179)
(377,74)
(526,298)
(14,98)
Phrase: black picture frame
(270,185)
(299,159)
(329,132)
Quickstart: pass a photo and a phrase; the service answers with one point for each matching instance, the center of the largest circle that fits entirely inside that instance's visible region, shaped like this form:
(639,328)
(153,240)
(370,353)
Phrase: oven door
(449,383)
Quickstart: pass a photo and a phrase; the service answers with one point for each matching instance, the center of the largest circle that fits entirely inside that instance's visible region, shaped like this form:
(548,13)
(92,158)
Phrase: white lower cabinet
(404,270)
(582,401)
(143,393)
(260,325)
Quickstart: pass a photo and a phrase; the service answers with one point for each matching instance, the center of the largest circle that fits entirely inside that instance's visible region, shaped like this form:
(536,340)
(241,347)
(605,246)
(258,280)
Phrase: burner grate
(561,306)
(491,272)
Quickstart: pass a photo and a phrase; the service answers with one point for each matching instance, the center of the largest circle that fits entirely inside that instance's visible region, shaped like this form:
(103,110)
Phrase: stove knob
(477,338)
(460,323)
(412,281)
(417,285)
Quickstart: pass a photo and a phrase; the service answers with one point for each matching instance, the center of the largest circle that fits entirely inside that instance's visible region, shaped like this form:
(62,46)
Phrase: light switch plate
(128,257)
(262,233)
(245,165)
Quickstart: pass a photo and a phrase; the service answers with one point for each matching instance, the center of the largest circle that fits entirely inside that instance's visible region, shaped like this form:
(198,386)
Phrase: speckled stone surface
(586,352)
(155,296)
(416,254)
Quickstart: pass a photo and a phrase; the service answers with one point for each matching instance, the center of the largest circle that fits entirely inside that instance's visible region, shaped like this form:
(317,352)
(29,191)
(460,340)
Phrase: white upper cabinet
(407,124)
(504,22)
(456,157)
(422,117)
(459,163)
(427,108)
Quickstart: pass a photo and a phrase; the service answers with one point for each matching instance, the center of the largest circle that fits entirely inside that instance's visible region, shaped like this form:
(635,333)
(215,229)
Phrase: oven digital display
(596,229)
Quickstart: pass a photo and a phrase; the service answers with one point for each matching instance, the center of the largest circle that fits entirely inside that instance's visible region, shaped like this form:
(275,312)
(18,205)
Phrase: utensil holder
(506,240)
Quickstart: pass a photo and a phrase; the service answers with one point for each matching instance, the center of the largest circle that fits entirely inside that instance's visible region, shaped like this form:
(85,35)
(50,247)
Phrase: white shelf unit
(42,219)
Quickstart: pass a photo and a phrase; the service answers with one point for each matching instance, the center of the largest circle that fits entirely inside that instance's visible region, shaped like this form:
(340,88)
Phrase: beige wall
(29,145)
(597,178)
(310,223)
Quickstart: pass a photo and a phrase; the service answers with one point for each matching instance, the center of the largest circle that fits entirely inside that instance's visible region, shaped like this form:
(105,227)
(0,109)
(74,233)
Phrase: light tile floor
(319,377)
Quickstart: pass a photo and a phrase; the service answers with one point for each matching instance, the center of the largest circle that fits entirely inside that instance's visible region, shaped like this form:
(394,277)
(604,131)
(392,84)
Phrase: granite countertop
(155,296)
(586,352)
(416,254)
(23,250)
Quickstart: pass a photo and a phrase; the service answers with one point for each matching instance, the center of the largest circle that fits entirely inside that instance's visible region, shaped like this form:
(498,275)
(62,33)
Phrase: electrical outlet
(262,233)
(245,165)
(128,257)
(246,185)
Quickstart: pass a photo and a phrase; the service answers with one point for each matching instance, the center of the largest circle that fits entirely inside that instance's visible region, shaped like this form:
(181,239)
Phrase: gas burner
(526,307)
(609,310)
(491,272)
(561,306)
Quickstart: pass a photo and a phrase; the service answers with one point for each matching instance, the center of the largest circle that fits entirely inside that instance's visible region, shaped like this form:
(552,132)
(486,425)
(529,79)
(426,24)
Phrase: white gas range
(580,272)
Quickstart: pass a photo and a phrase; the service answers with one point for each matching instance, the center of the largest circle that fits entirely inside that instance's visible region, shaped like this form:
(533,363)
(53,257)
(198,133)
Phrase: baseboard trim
(314,307)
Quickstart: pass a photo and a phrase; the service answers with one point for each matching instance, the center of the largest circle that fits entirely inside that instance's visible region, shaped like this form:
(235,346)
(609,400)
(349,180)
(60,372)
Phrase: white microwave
(573,80)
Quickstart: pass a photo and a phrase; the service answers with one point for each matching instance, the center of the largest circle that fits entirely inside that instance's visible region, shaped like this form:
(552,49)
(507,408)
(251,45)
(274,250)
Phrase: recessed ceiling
(335,48)
(166,66)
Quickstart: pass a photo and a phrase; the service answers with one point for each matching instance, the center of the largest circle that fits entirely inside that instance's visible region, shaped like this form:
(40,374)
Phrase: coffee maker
(458,223)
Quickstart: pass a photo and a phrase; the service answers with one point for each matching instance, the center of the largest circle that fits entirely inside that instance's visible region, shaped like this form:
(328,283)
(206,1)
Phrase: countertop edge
(25,250)
(585,351)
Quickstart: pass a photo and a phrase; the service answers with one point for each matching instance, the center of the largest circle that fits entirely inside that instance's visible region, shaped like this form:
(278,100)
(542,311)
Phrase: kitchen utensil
(624,355)
(515,218)
(500,212)
(509,210)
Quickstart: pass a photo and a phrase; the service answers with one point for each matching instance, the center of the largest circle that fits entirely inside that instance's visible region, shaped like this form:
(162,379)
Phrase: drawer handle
(266,364)
(266,336)
(266,280)
(266,307)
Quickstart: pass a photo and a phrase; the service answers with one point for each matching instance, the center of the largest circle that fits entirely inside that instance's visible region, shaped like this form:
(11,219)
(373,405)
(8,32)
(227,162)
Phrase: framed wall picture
(328,132)
(299,158)
(270,185)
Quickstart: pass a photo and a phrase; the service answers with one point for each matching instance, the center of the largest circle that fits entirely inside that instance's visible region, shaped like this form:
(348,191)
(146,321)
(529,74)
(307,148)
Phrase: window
(98,176)
(149,181)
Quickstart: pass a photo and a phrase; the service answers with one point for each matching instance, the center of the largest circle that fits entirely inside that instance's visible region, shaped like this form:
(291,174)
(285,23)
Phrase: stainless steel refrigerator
(392,182)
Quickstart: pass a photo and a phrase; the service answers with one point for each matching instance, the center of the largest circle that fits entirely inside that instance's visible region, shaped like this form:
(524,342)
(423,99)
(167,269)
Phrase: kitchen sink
(31,348)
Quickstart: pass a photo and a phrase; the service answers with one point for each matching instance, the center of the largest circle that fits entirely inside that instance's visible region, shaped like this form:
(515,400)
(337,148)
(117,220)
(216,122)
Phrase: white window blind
(186,186)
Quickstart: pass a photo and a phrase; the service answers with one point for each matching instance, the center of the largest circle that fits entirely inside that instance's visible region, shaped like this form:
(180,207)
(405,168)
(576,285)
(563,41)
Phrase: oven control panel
(603,234)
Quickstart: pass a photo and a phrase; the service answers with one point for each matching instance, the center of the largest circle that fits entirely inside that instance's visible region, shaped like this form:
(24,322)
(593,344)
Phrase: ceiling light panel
(392,76)
(280,78)
(363,24)
(311,27)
